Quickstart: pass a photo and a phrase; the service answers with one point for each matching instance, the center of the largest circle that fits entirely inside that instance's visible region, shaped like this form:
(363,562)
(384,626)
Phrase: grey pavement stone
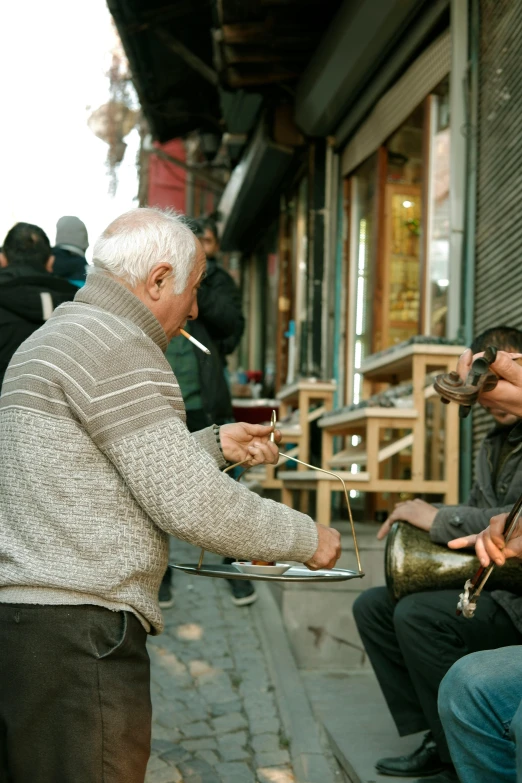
(160,746)
(275,775)
(266,743)
(237,737)
(167,775)
(206,743)
(209,756)
(195,730)
(226,709)
(270,726)
(273,759)
(171,735)
(175,755)
(227,723)
(199,771)
(234,752)
(156,763)
(235,772)
(232,747)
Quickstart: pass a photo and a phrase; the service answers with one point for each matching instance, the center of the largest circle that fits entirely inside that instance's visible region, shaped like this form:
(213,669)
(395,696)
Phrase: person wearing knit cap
(72,241)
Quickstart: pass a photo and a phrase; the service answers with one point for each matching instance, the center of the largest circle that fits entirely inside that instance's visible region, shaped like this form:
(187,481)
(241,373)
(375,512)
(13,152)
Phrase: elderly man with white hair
(97,468)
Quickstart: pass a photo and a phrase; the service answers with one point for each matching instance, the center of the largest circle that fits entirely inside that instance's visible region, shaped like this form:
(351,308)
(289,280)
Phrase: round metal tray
(294,574)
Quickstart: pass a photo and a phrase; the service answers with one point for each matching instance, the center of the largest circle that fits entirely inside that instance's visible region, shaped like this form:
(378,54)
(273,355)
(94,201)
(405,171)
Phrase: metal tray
(294,574)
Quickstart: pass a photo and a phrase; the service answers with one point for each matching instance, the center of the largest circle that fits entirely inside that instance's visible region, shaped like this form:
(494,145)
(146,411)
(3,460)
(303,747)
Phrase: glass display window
(362,218)
(438,212)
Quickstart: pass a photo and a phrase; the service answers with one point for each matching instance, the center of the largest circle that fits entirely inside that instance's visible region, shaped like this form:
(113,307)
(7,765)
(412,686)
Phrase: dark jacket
(489,496)
(219,326)
(27,298)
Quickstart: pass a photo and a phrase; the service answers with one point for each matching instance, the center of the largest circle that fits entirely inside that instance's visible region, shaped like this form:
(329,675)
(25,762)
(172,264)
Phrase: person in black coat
(28,292)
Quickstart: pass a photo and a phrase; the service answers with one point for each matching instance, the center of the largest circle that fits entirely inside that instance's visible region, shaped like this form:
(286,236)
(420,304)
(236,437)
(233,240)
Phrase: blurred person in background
(72,241)
(206,394)
(28,292)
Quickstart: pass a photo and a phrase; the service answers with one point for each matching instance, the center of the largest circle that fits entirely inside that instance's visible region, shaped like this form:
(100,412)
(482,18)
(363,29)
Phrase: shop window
(401,245)
(300,277)
(438,228)
(362,221)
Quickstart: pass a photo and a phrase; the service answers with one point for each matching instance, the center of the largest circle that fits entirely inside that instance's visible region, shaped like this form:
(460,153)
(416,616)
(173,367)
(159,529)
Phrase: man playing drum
(412,644)
(480,699)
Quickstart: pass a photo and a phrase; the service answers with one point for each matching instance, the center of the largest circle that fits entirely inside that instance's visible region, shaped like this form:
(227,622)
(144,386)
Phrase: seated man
(480,699)
(412,644)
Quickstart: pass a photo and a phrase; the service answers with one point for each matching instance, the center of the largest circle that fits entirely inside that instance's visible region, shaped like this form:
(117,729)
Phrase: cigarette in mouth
(194,341)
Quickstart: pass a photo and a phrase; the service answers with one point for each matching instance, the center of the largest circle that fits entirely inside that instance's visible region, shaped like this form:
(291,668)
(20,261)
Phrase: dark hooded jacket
(27,298)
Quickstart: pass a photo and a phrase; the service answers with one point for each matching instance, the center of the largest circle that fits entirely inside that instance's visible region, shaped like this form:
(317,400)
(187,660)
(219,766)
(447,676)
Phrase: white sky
(53,59)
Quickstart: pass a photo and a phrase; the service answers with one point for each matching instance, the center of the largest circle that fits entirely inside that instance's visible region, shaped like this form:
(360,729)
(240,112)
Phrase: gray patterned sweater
(97,466)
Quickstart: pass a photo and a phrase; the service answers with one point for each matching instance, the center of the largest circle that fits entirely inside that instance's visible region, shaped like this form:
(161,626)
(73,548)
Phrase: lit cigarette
(194,341)
(273,422)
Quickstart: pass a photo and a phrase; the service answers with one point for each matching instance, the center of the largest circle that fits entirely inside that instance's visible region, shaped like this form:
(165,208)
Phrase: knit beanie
(71,231)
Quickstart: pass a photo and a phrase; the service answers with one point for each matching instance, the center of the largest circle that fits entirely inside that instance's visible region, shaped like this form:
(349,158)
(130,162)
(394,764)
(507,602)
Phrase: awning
(169,48)
(254,181)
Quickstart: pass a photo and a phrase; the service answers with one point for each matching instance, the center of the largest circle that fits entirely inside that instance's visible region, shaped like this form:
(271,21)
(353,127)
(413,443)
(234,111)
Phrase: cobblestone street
(215,718)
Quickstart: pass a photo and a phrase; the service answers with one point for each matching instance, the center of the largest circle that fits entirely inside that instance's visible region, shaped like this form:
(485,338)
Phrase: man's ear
(157,280)
(3,261)
(49,264)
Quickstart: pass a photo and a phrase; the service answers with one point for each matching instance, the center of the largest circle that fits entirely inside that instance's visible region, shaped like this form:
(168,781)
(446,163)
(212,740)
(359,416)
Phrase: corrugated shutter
(498,259)
(399,102)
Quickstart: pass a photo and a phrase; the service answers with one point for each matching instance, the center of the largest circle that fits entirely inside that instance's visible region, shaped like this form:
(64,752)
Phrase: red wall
(167,182)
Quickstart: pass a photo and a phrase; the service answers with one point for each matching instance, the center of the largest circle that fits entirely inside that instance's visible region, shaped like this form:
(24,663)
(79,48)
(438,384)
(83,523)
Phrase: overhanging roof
(254,182)
(169,48)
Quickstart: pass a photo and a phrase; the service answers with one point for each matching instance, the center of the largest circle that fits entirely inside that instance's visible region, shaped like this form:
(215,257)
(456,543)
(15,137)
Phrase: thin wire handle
(312,467)
(336,476)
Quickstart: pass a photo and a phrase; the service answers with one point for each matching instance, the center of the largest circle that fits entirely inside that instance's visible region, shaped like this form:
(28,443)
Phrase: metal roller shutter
(498,258)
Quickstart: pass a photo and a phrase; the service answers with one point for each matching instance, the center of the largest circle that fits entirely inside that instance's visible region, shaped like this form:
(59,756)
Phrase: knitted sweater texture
(97,466)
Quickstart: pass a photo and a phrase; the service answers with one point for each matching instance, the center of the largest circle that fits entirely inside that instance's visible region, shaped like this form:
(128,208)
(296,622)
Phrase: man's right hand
(328,551)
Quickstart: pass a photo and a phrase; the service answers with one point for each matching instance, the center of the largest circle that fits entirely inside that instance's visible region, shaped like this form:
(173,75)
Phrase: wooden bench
(369,455)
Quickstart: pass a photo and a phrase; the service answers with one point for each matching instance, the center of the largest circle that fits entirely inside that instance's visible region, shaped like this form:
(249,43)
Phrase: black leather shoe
(447,776)
(424,761)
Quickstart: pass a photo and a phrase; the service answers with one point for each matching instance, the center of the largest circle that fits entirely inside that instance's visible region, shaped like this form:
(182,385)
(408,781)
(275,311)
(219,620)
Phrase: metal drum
(414,564)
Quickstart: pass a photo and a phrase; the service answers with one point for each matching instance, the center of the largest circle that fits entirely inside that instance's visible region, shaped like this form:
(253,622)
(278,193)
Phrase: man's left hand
(417,512)
(249,443)
(490,544)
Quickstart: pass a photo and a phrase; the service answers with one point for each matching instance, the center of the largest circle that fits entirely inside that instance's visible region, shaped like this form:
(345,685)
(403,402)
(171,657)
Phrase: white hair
(137,241)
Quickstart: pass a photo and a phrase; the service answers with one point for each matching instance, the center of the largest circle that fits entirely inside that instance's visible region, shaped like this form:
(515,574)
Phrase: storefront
(396,182)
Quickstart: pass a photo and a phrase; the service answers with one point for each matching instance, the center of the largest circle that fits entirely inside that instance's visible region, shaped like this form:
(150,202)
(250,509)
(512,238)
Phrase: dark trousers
(412,644)
(74,695)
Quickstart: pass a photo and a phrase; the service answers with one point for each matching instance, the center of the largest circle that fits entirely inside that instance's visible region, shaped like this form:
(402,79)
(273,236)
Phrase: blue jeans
(480,705)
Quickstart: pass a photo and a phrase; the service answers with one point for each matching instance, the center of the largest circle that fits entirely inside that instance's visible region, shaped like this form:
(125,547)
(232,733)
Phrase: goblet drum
(414,564)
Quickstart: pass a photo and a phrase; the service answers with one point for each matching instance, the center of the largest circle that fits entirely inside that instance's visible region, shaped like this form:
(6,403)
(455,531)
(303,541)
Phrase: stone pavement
(215,718)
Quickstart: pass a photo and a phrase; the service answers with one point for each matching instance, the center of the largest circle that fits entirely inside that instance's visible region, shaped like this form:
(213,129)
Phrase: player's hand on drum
(417,512)
(328,550)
